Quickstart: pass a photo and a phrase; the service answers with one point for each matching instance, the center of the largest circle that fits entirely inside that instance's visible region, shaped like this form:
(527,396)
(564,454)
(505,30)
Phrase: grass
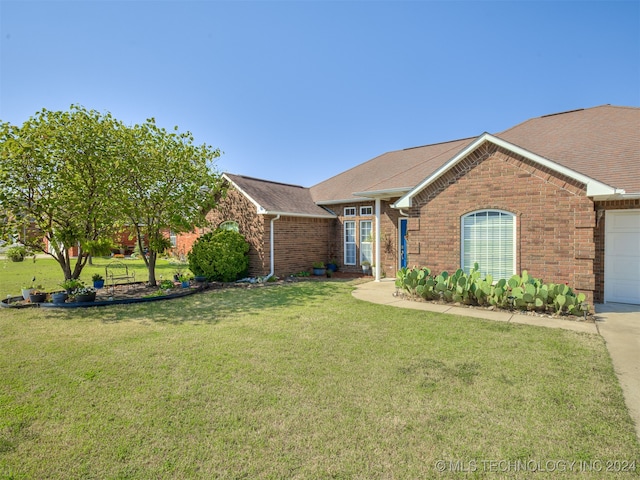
(299,381)
(49,274)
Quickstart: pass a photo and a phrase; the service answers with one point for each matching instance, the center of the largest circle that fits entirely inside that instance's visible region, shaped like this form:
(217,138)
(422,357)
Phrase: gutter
(271,260)
(262,211)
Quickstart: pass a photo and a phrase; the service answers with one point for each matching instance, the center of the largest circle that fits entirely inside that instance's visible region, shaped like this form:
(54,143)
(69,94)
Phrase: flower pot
(90,297)
(37,297)
(333,267)
(59,297)
(200,279)
(319,271)
(185,284)
(26,292)
(97,284)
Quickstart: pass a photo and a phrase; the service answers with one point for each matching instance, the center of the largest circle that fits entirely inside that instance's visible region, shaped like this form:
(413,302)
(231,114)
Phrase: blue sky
(298,91)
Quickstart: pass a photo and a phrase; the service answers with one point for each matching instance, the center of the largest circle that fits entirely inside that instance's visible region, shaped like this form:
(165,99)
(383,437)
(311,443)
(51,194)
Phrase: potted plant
(98,281)
(332,265)
(16,253)
(59,297)
(27,289)
(177,274)
(366,267)
(184,280)
(37,295)
(319,268)
(71,284)
(84,294)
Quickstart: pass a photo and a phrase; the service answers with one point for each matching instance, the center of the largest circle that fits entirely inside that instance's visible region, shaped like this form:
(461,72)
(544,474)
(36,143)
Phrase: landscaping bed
(129,293)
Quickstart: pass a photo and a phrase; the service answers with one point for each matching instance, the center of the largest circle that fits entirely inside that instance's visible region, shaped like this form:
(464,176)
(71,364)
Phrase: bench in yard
(117,273)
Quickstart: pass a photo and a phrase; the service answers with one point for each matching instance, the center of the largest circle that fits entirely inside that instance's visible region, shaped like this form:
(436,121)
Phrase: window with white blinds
(488,239)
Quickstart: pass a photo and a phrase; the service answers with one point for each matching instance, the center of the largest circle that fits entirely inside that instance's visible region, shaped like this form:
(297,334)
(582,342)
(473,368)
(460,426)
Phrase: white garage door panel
(622,256)
(626,243)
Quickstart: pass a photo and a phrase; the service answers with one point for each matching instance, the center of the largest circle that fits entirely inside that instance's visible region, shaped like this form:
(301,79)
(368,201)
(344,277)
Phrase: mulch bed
(140,290)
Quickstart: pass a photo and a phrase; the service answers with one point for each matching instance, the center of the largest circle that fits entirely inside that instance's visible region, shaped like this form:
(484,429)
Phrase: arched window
(229,225)
(489,239)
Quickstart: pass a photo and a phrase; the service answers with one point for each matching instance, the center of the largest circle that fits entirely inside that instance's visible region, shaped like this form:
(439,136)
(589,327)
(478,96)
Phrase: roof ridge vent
(561,113)
(437,143)
(269,181)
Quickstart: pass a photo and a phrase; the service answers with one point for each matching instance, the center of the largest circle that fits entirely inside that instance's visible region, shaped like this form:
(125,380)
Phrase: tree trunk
(151,265)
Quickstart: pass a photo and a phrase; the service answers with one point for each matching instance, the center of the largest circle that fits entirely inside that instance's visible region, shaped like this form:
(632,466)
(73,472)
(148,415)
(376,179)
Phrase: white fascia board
(390,192)
(594,187)
(348,200)
(301,215)
(259,208)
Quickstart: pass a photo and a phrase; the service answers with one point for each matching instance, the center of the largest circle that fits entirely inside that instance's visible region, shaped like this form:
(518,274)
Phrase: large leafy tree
(170,185)
(57,174)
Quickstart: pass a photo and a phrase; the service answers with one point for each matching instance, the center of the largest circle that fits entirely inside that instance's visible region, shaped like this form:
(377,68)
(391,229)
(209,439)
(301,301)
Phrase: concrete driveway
(619,325)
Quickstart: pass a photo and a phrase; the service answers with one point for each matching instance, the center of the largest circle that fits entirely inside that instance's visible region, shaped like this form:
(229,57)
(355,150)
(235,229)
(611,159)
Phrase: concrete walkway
(618,324)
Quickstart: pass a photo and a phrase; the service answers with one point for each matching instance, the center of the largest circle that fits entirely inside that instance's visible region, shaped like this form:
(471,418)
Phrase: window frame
(349,209)
(363,214)
(173,239)
(512,239)
(346,225)
(229,223)
(366,241)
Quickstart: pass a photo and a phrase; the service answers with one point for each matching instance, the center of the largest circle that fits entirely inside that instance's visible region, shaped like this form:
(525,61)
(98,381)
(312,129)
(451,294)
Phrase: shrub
(17,253)
(221,255)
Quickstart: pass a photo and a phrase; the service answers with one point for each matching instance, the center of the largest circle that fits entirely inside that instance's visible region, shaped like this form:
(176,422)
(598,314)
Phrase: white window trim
(350,214)
(365,242)
(344,239)
(362,214)
(514,239)
(173,239)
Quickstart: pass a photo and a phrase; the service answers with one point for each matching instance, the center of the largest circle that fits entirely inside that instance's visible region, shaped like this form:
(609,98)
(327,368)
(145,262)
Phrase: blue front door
(403,242)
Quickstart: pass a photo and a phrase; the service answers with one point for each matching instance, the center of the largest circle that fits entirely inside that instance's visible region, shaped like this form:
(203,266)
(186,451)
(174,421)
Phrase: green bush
(221,255)
(17,253)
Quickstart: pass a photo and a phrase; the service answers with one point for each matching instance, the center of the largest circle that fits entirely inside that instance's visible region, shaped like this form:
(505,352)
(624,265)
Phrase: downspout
(377,237)
(271,260)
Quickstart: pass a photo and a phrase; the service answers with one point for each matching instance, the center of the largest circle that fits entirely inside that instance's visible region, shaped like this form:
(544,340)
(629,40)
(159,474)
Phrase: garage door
(622,256)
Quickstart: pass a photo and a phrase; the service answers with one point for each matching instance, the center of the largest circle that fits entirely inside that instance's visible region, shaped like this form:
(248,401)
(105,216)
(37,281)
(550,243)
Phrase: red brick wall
(298,243)
(238,208)
(598,264)
(555,220)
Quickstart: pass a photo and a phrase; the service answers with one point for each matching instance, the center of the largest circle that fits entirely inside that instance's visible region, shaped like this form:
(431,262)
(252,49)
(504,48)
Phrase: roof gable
(594,187)
(273,198)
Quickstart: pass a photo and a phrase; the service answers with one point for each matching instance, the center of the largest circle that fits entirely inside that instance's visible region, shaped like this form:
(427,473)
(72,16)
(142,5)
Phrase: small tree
(170,186)
(221,255)
(57,178)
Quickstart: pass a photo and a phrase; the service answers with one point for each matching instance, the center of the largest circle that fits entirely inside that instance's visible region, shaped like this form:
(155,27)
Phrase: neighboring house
(557,195)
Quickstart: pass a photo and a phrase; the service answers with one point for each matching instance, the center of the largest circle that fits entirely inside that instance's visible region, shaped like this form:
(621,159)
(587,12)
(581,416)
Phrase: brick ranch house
(557,195)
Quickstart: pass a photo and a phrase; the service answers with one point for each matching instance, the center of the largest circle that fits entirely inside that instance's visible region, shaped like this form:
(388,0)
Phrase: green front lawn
(300,381)
(13,275)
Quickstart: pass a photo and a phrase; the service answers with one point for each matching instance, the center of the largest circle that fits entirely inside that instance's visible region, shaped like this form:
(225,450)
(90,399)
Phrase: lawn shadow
(212,306)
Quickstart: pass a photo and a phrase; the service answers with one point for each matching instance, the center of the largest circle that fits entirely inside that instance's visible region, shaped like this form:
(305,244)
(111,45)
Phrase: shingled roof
(277,198)
(602,143)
